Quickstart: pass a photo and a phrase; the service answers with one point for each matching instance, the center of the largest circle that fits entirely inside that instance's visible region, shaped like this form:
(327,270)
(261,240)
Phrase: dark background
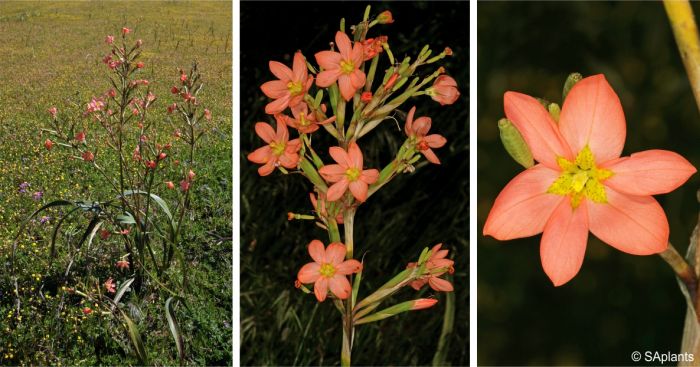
(283,326)
(618,303)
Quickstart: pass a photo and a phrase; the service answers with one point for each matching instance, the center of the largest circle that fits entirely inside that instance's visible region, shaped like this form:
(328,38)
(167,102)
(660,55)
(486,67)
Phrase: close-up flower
(279,151)
(329,270)
(417,132)
(581,183)
(305,122)
(444,90)
(348,173)
(291,86)
(342,66)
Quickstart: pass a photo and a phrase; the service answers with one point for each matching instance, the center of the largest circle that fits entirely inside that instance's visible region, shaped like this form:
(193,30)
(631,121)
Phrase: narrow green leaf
(136,340)
(122,290)
(175,329)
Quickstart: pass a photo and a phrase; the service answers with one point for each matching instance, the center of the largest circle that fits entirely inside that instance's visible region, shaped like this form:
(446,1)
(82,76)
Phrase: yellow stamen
(294,87)
(347,66)
(580,179)
(352,174)
(303,121)
(277,148)
(327,270)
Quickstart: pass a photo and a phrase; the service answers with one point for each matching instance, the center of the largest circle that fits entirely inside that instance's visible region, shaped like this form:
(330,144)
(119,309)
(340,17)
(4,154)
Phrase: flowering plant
(139,167)
(349,79)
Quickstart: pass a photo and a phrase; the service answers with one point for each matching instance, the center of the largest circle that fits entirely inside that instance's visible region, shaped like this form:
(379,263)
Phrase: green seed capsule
(571,80)
(515,144)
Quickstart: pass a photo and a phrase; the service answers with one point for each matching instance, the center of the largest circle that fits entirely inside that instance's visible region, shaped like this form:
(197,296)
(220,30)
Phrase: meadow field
(51,55)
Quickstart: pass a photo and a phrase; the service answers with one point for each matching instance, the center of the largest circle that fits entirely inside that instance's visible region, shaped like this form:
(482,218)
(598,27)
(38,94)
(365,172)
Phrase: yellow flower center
(352,174)
(327,270)
(303,121)
(347,66)
(294,87)
(581,178)
(277,148)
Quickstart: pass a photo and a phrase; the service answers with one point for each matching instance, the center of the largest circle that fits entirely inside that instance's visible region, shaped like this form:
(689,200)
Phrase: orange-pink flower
(581,183)
(279,149)
(329,270)
(444,90)
(304,121)
(343,66)
(417,132)
(291,86)
(436,266)
(348,173)
(110,286)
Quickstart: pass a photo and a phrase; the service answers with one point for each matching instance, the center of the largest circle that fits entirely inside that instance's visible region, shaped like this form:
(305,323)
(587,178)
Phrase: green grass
(51,56)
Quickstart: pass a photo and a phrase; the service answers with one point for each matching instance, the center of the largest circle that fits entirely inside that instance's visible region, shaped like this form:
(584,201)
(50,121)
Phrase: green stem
(440,357)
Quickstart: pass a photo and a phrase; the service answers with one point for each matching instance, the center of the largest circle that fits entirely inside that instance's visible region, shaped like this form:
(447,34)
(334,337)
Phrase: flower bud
(125,31)
(385,17)
(170,185)
(48,144)
(423,303)
(366,97)
(571,80)
(515,144)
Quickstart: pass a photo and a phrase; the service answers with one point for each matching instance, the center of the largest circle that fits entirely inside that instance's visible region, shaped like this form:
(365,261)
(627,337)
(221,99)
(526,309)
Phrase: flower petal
(309,273)
(348,267)
(335,253)
(281,71)
(317,251)
(357,78)
(327,77)
(332,172)
(409,121)
(342,41)
(430,156)
(537,128)
(422,125)
(260,155)
(328,60)
(340,286)
(268,168)
(440,285)
(265,132)
(275,89)
(355,155)
(523,206)
(358,56)
(299,67)
(346,88)
(359,190)
(435,140)
(340,156)
(650,172)
(277,105)
(592,115)
(563,244)
(369,176)
(321,289)
(337,190)
(633,224)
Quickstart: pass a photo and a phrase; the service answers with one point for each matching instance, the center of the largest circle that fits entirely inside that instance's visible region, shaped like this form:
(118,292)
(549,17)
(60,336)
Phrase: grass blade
(175,329)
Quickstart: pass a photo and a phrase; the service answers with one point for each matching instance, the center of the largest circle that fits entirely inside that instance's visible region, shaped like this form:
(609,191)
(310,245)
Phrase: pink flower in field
(279,149)
(304,121)
(104,234)
(170,185)
(88,156)
(291,86)
(348,173)
(184,185)
(183,77)
(417,132)
(87,310)
(444,90)
(112,93)
(174,90)
(122,264)
(162,156)
(125,31)
(110,286)
(329,270)
(140,65)
(207,114)
(53,111)
(436,266)
(114,64)
(172,108)
(423,303)
(109,40)
(343,66)
(581,183)
(151,164)
(80,137)
(124,231)
(48,144)
(96,104)
(385,17)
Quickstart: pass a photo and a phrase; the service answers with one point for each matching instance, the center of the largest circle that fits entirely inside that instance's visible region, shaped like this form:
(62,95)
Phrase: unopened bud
(515,144)
(571,80)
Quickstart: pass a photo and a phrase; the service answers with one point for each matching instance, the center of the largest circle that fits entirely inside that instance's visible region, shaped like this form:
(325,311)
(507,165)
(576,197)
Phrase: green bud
(318,99)
(571,80)
(554,111)
(387,312)
(514,143)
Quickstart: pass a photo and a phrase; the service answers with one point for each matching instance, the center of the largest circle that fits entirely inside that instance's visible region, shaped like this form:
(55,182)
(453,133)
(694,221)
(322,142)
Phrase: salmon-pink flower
(279,149)
(151,164)
(122,264)
(87,310)
(328,271)
(53,111)
(423,303)
(170,185)
(417,133)
(190,175)
(385,17)
(140,65)
(125,31)
(104,234)
(109,40)
(88,156)
(291,86)
(48,144)
(348,173)
(343,66)
(373,46)
(207,114)
(110,286)
(184,185)
(183,77)
(444,90)
(172,108)
(304,121)
(436,266)
(80,137)
(581,183)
